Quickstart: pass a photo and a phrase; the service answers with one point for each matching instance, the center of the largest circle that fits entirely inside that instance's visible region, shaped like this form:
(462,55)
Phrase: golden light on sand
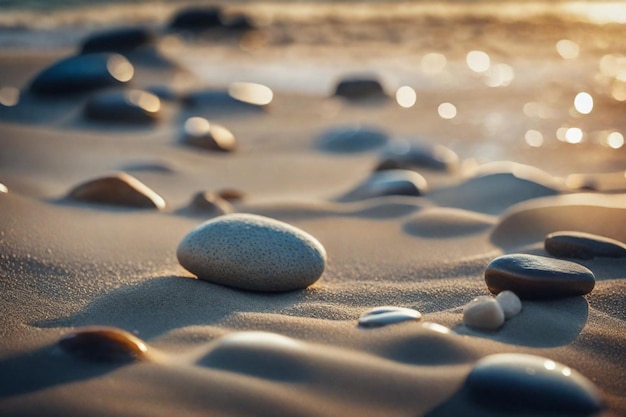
(120,68)
(583,103)
(478,61)
(567,49)
(447,111)
(147,101)
(618,90)
(433,63)
(9,96)
(499,75)
(253,93)
(534,138)
(573,135)
(197,126)
(615,140)
(406,96)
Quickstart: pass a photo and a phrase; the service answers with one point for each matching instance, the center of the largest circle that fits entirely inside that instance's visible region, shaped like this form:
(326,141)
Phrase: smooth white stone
(510,303)
(483,312)
(382,316)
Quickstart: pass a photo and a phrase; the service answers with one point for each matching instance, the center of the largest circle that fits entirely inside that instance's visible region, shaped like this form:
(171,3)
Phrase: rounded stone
(83,73)
(510,303)
(352,139)
(569,244)
(383,316)
(483,312)
(531,384)
(360,89)
(200,133)
(385,183)
(221,102)
(3,189)
(197,18)
(120,40)
(119,189)
(104,344)
(231,194)
(121,106)
(252,252)
(538,277)
(209,203)
(405,154)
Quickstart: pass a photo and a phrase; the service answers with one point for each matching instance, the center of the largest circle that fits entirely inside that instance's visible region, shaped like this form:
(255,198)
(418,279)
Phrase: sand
(67,264)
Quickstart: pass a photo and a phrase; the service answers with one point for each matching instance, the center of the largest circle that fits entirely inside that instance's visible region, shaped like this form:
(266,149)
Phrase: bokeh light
(9,96)
(147,101)
(574,135)
(615,140)
(433,63)
(406,96)
(583,103)
(534,138)
(478,61)
(499,75)
(120,68)
(567,49)
(447,111)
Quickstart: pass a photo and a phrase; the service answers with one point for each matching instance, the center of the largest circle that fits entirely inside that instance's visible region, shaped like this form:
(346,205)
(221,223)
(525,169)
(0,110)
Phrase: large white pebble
(483,313)
(252,252)
(510,303)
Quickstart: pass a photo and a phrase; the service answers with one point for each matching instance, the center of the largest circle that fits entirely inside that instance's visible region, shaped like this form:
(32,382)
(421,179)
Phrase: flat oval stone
(252,252)
(483,313)
(231,194)
(405,154)
(385,183)
(568,244)
(200,133)
(353,139)
(104,344)
(132,106)
(510,303)
(221,102)
(532,384)
(83,73)
(120,40)
(538,277)
(360,89)
(120,189)
(383,316)
(210,204)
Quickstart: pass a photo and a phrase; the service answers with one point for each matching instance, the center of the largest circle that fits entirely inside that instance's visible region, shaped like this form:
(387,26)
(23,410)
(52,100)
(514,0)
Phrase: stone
(211,204)
(360,89)
(510,303)
(124,106)
(197,19)
(3,188)
(569,244)
(119,189)
(104,344)
(405,154)
(221,102)
(200,133)
(352,139)
(238,22)
(483,313)
(538,277)
(252,252)
(163,92)
(83,73)
(383,316)
(385,183)
(231,194)
(120,40)
(514,382)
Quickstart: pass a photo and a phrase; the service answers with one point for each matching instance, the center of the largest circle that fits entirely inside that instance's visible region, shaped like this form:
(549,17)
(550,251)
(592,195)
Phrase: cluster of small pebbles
(489,313)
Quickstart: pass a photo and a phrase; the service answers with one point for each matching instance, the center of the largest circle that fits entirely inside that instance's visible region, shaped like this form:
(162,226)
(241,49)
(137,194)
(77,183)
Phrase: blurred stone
(124,106)
(121,40)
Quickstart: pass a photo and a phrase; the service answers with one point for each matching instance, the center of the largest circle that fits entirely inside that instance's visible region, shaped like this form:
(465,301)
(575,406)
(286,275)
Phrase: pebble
(252,252)
(510,303)
(119,189)
(360,89)
(385,183)
(483,312)
(104,344)
(352,139)
(83,73)
(210,204)
(121,106)
(538,277)
(231,194)
(513,382)
(382,316)
(118,40)
(3,188)
(200,133)
(581,245)
(197,19)
(405,154)
(218,101)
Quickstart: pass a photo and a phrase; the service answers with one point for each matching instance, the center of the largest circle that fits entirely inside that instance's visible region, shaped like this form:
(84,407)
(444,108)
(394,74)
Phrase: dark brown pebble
(581,245)
(231,194)
(104,344)
(360,89)
(118,40)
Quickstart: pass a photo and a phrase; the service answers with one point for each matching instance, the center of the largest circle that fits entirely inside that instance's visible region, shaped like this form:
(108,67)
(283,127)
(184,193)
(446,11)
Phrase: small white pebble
(510,303)
(483,312)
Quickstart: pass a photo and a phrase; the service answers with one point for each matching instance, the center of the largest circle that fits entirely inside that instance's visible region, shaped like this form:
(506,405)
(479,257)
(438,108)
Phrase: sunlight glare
(533,138)
(433,63)
(615,140)
(478,61)
(447,111)
(406,96)
(583,103)
(567,49)
(574,135)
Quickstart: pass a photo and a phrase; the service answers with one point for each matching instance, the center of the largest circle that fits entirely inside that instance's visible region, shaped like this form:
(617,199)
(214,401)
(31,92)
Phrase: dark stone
(386,183)
(360,89)
(583,245)
(197,19)
(104,344)
(231,194)
(220,102)
(538,277)
(200,133)
(122,106)
(118,40)
(238,22)
(404,154)
(211,204)
(352,139)
(83,73)
(164,92)
(517,383)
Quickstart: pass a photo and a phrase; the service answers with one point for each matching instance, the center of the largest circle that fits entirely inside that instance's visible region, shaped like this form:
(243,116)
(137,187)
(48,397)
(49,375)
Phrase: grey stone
(569,244)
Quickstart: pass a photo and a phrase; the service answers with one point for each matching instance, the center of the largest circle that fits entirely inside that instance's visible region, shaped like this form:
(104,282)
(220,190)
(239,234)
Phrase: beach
(462,135)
